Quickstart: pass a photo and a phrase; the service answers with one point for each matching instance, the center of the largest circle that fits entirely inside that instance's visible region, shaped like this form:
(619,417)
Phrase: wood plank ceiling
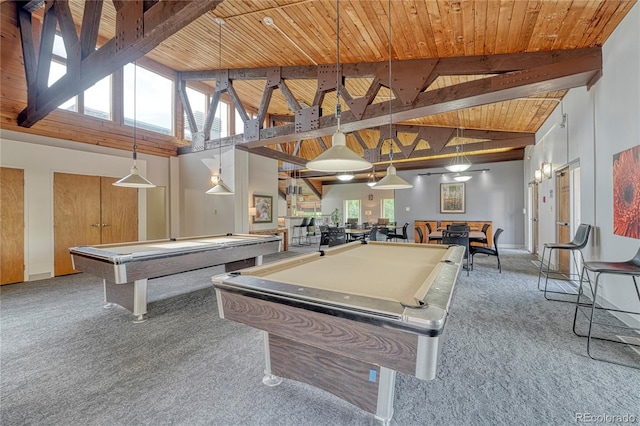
(303,33)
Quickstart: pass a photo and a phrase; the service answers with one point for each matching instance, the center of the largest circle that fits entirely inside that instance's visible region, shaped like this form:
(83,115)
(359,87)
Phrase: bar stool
(311,230)
(302,226)
(576,245)
(630,268)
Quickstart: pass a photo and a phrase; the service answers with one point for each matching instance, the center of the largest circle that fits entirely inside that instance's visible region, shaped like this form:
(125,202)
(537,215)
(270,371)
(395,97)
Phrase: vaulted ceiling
(485,74)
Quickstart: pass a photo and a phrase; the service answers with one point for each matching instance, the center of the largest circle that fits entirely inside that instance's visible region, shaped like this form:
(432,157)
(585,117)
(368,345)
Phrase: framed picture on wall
(264,208)
(626,196)
(452,197)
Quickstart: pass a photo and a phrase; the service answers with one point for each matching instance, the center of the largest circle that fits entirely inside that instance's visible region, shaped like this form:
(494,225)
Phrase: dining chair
(484,230)
(460,227)
(458,238)
(420,236)
(333,236)
(403,236)
(489,251)
(373,235)
(429,230)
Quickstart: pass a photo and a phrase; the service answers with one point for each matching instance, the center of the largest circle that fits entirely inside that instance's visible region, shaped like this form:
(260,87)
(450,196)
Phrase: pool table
(126,267)
(348,318)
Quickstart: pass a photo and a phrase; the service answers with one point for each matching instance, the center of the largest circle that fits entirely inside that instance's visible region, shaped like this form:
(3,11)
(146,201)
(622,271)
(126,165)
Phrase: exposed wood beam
(276,155)
(312,187)
(161,21)
(465,65)
(575,72)
(560,71)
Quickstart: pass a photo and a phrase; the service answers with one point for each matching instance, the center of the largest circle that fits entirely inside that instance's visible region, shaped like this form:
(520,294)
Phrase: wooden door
(534,218)
(119,212)
(76,216)
(563,217)
(11,225)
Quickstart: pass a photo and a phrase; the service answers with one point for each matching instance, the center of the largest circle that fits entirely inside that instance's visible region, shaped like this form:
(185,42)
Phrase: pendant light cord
(390,115)
(135,111)
(338,106)
(220,21)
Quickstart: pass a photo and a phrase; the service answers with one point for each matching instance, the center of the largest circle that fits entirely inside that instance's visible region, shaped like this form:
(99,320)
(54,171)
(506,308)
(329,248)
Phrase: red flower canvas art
(626,193)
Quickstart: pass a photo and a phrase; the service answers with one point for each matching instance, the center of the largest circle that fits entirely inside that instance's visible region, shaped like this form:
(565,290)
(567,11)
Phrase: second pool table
(126,267)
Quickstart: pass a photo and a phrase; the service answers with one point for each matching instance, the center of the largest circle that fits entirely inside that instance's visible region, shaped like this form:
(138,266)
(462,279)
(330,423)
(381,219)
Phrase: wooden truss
(140,27)
(510,76)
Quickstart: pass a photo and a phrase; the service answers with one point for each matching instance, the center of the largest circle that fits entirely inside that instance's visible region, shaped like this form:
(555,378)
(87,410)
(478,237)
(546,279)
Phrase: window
(220,127)
(56,72)
(97,99)
(239,123)
(198,102)
(388,209)
(352,208)
(153,100)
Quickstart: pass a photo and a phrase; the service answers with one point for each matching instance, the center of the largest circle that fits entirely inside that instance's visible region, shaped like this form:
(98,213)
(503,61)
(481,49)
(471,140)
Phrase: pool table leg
(132,296)
(386,395)
(269,378)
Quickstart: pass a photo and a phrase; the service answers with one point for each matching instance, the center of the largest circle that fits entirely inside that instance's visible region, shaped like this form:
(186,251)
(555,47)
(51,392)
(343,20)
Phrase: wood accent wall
(443,223)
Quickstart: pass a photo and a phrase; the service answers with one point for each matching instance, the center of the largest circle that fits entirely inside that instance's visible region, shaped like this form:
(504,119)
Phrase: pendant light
(460,162)
(391,180)
(338,158)
(221,188)
(345,176)
(461,178)
(372,177)
(134,179)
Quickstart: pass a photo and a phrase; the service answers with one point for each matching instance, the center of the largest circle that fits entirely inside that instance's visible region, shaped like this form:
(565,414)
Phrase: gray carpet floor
(510,358)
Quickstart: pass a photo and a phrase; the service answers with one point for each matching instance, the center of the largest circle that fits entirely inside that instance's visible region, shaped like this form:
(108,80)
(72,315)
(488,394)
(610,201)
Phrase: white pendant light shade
(392,181)
(220,189)
(345,177)
(460,163)
(372,180)
(338,158)
(461,178)
(134,180)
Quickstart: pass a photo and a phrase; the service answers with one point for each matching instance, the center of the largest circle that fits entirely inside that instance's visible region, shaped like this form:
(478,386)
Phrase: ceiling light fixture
(134,179)
(391,180)
(461,178)
(460,162)
(345,176)
(221,188)
(338,158)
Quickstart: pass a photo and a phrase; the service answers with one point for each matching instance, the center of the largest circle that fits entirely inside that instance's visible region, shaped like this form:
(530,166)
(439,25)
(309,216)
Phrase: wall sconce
(367,213)
(252,212)
(537,175)
(546,170)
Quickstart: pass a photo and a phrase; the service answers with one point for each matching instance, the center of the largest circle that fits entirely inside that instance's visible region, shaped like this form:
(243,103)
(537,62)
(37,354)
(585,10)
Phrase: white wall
(263,180)
(496,196)
(41,157)
(600,123)
(201,213)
